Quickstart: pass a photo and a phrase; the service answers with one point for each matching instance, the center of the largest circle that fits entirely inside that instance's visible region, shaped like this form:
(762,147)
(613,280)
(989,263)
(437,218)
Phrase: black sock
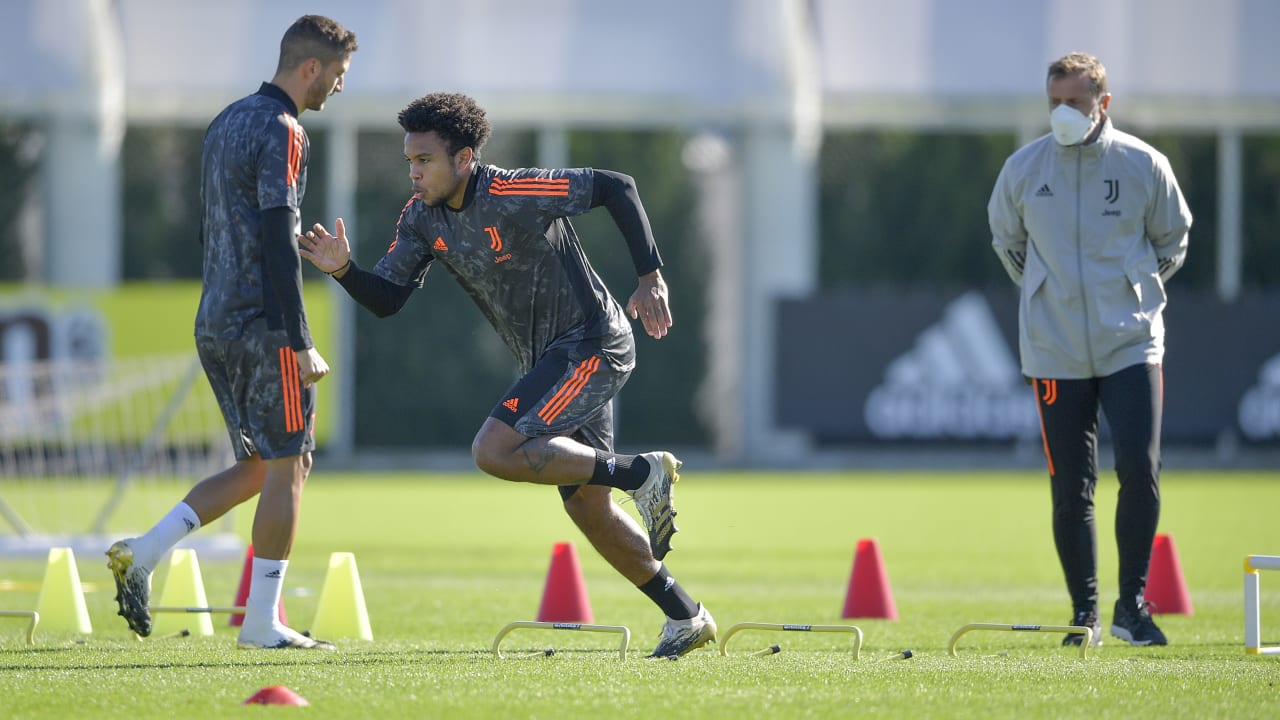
(625,472)
(667,594)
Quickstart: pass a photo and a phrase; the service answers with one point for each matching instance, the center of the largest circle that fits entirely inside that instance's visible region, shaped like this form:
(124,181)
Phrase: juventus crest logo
(1113,191)
(495,240)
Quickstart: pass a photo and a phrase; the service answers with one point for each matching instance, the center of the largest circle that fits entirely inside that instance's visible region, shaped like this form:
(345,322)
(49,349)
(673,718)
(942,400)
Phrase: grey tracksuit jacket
(1090,233)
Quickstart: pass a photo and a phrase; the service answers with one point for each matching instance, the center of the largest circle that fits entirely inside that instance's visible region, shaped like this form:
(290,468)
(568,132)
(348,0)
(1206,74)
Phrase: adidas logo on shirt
(1044,191)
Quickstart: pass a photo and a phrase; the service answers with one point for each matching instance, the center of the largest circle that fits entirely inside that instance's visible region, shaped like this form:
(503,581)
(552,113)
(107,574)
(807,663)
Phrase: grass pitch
(447,560)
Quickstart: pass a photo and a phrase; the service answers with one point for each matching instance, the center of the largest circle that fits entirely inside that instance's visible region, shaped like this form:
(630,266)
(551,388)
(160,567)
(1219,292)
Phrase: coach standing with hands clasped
(1090,222)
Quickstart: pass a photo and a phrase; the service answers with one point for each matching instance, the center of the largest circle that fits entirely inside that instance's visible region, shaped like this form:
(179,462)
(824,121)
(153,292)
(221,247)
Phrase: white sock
(261,609)
(179,523)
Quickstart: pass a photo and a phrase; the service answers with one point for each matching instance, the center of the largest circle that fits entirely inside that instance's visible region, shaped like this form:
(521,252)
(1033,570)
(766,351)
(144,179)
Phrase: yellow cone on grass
(341,612)
(61,602)
(183,587)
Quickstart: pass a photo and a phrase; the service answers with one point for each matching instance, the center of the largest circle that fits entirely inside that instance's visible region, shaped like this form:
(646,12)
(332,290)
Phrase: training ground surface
(447,561)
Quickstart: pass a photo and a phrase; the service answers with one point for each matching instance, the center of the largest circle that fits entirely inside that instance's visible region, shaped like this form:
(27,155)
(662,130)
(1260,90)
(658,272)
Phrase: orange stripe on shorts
(569,390)
(289,390)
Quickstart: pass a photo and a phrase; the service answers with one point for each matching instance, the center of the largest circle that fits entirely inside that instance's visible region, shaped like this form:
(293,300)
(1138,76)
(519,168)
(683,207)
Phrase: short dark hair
(314,36)
(1083,64)
(455,117)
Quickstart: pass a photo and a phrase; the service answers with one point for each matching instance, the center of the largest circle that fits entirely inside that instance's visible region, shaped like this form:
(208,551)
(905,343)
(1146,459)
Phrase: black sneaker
(1132,623)
(1084,618)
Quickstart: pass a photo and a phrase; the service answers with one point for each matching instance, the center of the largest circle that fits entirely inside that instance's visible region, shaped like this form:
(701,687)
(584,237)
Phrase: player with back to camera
(1090,222)
(505,236)
(251,331)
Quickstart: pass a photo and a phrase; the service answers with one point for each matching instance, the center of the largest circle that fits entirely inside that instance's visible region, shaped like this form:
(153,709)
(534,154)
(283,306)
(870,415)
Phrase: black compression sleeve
(617,192)
(381,296)
(282,291)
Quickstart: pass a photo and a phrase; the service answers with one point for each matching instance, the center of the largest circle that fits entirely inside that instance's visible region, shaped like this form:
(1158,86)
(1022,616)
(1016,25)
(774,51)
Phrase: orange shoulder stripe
(395,239)
(530,186)
(532,178)
(548,193)
(294,169)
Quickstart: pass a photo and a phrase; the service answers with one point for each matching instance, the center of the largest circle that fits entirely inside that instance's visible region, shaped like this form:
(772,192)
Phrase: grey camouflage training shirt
(513,250)
(254,159)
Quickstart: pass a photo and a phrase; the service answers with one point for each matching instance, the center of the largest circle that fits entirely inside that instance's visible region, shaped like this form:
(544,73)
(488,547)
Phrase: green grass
(446,561)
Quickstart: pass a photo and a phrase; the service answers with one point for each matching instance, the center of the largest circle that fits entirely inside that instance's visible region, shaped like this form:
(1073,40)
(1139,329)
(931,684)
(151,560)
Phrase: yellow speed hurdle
(782,627)
(1084,646)
(583,627)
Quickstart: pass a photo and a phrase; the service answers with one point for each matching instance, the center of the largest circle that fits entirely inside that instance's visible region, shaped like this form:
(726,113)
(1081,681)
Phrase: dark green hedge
(896,209)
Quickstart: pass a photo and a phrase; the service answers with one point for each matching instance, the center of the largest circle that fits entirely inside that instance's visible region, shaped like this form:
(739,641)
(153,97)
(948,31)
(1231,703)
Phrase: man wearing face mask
(1090,223)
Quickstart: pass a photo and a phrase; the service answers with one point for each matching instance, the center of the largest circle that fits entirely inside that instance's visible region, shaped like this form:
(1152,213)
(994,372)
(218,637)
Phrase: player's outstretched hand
(648,304)
(330,253)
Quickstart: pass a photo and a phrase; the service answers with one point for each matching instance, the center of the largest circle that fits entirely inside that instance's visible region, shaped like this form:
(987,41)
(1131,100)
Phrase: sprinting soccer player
(251,331)
(505,236)
(1090,222)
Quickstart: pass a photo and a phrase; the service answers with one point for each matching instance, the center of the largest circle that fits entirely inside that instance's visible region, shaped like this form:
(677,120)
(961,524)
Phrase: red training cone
(564,599)
(1166,590)
(242,592)
(276,695)
(869,595)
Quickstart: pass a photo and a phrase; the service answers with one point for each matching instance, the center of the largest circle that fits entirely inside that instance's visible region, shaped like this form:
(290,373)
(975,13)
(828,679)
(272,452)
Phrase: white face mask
(1070,126)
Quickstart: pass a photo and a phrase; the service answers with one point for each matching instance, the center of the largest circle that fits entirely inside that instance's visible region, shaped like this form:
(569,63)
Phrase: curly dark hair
(455,117)
(315,36)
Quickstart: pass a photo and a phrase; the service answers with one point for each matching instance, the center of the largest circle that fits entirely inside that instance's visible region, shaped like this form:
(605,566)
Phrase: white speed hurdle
(1087,632)
(780,627)
(1252,611)
(31,616)
(619,629)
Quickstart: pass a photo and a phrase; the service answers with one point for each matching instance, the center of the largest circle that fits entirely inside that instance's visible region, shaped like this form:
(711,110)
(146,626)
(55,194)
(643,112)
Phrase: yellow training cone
(342,613)
(183,588)
(61,603)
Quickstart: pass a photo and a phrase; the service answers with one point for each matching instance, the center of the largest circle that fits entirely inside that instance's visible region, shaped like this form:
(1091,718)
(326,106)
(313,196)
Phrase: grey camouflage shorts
(567,392)
(267,410)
